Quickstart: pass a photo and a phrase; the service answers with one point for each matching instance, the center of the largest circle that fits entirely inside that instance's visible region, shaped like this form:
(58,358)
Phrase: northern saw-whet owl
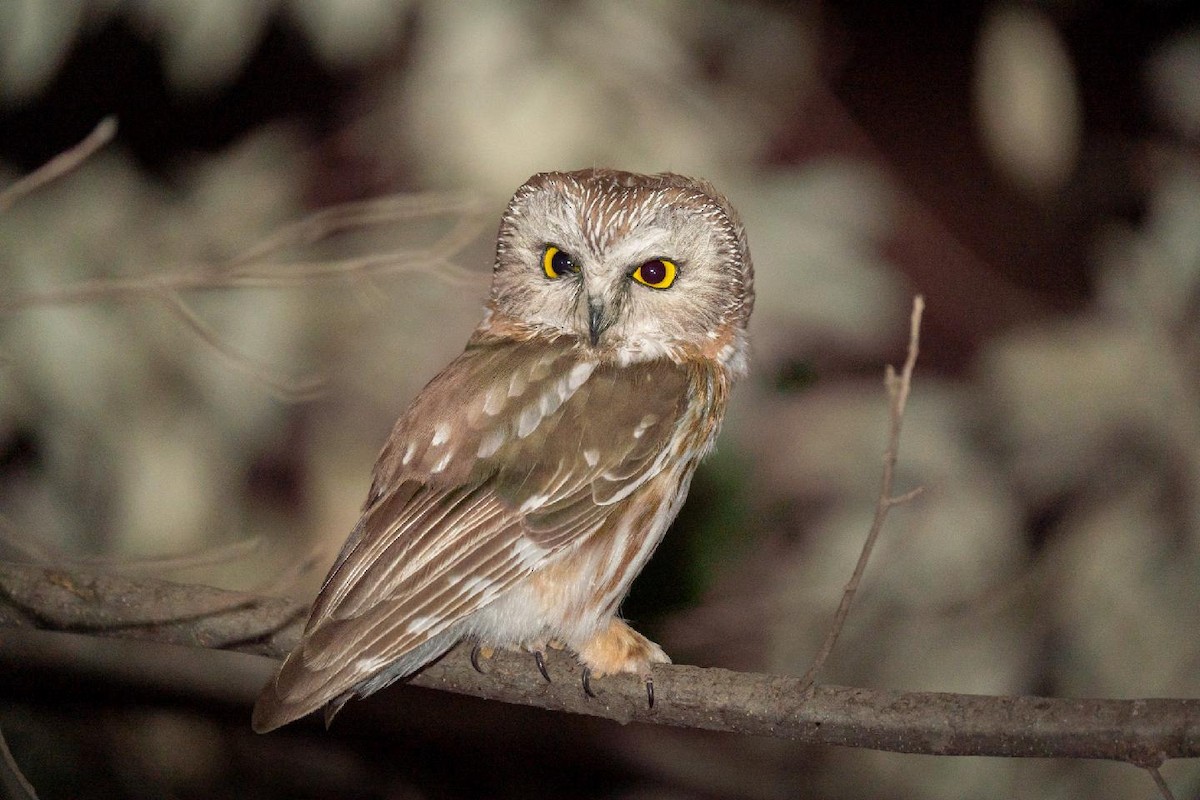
(527,485)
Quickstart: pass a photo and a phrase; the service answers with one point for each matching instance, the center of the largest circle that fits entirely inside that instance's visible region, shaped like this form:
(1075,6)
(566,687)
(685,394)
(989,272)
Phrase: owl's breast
(572,594)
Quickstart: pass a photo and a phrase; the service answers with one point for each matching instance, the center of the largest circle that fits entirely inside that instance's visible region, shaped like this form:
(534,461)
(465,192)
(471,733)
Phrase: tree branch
(898,388)
(61,164)
(1141,732)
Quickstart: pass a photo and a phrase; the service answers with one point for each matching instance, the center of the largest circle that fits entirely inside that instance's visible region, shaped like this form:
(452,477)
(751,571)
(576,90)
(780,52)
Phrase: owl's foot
(619,648)
(539,658)
(537,648)
(480,650)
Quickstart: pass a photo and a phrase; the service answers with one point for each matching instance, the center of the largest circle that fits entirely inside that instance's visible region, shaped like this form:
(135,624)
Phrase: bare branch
(898,388)
(34,550)
(61,164)
(1163,788)
(294,390)
(249,270)
(14,784)
(360,214)
(1142,732)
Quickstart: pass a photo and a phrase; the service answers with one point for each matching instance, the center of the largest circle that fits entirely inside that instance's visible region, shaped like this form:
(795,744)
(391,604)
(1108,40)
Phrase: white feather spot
(440,434)
(473,585)
(534,501)
(516,385)
(442,462)
(528,552)
(592,457)
(550,402)
(408,454)
(373,663)
(493,404)
(541,368)
(644,425)
(491,442)
(579,373)
(529,419)
(420,624)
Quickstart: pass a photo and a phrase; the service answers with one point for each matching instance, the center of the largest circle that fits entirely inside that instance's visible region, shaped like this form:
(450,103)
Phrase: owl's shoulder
(527,399)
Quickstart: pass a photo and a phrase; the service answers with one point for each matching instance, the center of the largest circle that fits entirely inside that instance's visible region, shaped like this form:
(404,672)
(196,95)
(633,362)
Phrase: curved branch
(1142,732)
(61,164)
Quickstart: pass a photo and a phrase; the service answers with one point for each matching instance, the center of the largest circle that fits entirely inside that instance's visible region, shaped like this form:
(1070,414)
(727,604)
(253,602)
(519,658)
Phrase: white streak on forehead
(606,210)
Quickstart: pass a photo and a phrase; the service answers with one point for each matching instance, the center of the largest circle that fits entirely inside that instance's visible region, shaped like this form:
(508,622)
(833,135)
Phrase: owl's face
(635,266)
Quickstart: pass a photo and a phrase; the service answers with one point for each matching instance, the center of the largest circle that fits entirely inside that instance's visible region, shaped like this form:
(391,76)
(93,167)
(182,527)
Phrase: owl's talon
(587,683)
(475,660)
(540,660)
(650,691)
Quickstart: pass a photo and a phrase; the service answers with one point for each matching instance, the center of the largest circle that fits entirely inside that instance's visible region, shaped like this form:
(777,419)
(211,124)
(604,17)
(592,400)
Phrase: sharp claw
(540,659)
(587,682)
(475,660)
(650,691)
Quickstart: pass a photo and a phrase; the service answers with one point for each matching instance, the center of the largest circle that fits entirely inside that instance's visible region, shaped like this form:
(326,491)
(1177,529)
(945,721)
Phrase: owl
(528,484)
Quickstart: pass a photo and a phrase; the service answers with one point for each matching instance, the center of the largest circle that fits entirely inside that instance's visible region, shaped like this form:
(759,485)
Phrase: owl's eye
(657,274)
(556,263)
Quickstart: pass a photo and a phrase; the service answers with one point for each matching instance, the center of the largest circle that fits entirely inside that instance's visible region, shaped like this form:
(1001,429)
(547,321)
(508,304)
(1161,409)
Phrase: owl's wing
(515,451)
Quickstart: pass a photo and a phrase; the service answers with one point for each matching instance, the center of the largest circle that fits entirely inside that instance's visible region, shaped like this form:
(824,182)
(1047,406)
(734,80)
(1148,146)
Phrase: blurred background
(1032,168)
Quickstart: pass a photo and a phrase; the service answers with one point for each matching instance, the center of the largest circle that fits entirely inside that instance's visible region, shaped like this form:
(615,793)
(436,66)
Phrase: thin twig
(1160,782)
(360,214)
(61,164)
(248,271)
(263,277)
(898,389)
(15,785)
(40,553)
(286,388)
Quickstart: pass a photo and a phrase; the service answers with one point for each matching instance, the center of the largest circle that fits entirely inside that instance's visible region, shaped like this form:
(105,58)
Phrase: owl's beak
(598,319)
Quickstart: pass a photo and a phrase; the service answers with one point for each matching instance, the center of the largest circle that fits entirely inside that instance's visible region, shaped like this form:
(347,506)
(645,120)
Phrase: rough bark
(1142,732)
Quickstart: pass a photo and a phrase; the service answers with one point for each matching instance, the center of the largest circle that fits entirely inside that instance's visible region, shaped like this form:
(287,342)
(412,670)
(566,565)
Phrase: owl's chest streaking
(575,591)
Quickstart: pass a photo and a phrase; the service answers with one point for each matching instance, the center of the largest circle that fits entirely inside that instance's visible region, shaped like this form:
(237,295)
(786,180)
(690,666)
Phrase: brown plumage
(529,482)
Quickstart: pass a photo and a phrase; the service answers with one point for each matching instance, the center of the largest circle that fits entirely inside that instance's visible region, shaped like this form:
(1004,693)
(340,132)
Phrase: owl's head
(635,266)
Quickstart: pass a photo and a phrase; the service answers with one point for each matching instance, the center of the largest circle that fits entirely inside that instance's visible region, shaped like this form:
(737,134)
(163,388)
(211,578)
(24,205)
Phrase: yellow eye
(556,263)
(657,274)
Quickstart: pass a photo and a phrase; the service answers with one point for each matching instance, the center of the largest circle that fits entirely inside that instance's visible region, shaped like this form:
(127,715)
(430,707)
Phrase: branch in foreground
(1142,732)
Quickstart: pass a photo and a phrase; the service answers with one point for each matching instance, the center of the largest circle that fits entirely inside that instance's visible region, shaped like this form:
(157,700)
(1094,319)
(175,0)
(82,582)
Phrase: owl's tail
(298,689)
